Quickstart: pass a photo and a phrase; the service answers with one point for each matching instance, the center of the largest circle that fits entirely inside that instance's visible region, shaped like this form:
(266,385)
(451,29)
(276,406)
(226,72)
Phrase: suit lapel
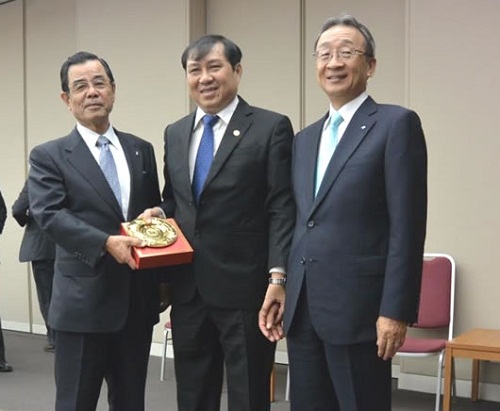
(183,139)
(236,129)
(135,158)
(308,152)
(80,157)
(356,131)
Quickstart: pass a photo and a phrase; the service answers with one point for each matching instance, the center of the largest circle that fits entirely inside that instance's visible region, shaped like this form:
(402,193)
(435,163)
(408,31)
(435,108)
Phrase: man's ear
(64,97)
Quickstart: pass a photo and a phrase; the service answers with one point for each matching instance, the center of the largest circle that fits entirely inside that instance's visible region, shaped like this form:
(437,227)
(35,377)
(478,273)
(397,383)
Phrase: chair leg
(287,392)
(272,382)
(453,379)
(439,380)
(164,355)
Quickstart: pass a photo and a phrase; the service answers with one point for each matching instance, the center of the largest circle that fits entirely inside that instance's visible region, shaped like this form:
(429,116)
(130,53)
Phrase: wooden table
(478,344)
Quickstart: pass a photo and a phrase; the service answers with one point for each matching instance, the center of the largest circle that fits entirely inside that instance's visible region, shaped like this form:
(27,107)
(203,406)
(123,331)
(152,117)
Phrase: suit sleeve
(280,204)
(168,200)
(48,203)
(20,208)
(406,195)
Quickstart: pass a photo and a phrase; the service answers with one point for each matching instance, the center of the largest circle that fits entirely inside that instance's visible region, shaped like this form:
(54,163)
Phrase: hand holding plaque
(164,242)
(158,233)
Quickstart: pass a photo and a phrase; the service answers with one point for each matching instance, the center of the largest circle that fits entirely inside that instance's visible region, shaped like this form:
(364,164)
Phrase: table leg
(448,364)
(474,395)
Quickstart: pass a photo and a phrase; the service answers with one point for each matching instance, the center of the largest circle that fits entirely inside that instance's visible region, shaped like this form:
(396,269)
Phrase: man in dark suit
(240,228)
(4,365)
(102,310)
(38,248)
(355,263)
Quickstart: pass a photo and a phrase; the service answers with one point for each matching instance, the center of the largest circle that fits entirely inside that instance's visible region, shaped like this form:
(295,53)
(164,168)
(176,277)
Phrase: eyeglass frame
(81,86)
(325,57)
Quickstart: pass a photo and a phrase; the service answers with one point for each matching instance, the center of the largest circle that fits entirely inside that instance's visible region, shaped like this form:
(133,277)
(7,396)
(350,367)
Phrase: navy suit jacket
(358,245)
(35,245)
(243,224)
(71,200)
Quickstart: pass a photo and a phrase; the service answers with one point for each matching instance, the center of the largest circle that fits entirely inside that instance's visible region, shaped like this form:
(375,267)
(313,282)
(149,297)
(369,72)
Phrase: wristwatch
(277,281)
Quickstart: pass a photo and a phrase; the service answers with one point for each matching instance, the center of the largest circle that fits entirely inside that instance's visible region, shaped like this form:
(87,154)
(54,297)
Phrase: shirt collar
(225,114)
(348,110)
(90,136)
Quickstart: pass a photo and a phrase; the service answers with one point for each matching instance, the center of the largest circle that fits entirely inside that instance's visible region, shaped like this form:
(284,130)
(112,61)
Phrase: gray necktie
(108,167)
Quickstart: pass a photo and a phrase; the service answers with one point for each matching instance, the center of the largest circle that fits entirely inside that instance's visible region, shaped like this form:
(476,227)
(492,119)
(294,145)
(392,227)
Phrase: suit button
(302,260)
(310,224)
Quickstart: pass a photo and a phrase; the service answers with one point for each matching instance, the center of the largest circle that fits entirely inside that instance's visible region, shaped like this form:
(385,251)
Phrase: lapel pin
(137,153)
(236,133)
(363,127)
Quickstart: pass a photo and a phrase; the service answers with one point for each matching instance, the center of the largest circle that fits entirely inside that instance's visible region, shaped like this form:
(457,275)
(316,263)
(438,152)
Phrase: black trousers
(206,340)
(84,360)
(326,377)
(2,344)
(43,273)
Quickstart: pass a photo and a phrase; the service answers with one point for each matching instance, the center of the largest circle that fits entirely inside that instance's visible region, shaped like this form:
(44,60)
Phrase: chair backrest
(437,295)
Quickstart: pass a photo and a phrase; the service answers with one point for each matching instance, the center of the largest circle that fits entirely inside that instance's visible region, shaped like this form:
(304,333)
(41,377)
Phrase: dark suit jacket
(244,221)
(71,200)
(36,245)
(358,246)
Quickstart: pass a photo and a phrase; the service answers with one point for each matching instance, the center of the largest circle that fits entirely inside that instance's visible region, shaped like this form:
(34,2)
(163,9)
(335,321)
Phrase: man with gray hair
(359,177)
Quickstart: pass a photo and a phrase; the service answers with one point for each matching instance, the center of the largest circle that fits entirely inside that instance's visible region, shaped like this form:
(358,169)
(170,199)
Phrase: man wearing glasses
(81,188)
(359,180)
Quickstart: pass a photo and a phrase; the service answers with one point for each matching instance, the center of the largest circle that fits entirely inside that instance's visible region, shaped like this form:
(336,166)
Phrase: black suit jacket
(243,224)
(358,245)
(35,245)
(71,200)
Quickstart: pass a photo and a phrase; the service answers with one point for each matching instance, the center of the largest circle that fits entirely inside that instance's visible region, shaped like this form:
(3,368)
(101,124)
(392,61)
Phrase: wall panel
(14,280)
(454,86)
(386,23)
(268,34)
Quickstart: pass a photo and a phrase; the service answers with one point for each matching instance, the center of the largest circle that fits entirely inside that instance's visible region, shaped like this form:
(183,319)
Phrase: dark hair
(80,58)
(201,47)
(348,20)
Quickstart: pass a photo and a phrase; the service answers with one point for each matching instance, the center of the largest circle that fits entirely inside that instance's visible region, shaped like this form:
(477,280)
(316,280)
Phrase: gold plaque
(158,233)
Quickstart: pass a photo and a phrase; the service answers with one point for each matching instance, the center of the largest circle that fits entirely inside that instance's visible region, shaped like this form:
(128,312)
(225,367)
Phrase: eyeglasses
(82,86)
(342,54)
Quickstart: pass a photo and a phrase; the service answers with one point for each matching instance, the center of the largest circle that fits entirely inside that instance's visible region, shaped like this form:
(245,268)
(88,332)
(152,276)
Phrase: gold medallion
(157,233)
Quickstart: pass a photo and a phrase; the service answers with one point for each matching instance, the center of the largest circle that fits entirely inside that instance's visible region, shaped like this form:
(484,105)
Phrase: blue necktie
(326,152)
(108,167)
(204,156)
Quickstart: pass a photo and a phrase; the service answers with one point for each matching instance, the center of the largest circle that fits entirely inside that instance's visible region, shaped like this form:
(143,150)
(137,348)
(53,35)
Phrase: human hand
(271,313)
(391,335)
(120,247)
(149,213)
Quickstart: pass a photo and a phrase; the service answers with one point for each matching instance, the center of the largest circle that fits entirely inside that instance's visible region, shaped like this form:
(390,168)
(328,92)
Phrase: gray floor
(30,387)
